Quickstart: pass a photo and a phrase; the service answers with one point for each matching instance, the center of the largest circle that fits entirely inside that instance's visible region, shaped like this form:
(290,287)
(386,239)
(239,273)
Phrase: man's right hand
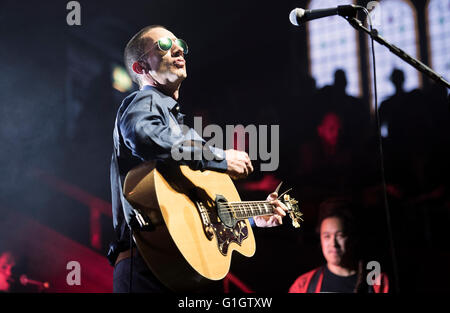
(239,164)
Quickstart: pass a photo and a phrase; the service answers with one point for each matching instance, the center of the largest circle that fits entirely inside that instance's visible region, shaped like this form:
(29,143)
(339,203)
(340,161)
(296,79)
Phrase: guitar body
(190,246)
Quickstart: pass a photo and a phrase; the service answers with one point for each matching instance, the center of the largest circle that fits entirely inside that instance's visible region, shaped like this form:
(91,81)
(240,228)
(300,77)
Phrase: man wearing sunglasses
(147,128)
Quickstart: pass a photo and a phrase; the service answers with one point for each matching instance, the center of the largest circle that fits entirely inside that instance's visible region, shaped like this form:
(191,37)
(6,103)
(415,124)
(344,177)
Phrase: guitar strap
(315,283)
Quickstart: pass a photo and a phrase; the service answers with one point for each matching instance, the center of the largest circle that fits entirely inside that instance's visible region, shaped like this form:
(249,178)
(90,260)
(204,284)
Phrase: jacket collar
(171,103)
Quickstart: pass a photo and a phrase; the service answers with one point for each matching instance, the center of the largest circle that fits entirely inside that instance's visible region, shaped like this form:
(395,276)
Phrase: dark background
(247,65)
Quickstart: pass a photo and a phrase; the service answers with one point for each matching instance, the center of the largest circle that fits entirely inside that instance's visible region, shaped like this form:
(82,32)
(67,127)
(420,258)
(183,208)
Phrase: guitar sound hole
(224,212)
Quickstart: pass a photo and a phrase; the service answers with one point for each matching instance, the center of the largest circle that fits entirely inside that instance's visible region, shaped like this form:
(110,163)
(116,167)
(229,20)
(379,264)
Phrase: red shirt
(301,284)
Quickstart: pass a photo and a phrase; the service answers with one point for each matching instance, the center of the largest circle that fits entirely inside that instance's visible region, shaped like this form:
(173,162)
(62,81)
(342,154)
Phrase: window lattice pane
(398,26)
(439,36)
(333,45)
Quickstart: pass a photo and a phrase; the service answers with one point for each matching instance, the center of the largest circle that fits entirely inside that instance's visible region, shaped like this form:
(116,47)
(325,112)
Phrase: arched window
(396,22)
(332,45)
(438,15)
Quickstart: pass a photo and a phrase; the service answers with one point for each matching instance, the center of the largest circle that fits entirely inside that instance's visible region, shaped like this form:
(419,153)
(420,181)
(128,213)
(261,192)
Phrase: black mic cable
(380,145)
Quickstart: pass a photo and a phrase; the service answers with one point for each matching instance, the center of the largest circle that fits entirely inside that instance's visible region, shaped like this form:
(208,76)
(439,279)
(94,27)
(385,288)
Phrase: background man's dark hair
(135,48)
(341,208)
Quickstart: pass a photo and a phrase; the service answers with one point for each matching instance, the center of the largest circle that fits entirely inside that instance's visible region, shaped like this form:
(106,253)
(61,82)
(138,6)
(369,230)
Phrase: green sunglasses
(166,43)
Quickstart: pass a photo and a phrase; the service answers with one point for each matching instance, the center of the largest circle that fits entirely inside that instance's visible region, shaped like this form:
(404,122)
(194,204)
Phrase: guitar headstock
(293,210)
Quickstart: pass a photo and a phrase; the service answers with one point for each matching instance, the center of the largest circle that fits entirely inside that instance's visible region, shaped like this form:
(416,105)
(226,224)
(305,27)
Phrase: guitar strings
(239,207)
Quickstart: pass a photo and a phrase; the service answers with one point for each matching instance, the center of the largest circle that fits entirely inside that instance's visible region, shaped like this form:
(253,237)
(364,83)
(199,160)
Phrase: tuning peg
(284,193)
(278,187)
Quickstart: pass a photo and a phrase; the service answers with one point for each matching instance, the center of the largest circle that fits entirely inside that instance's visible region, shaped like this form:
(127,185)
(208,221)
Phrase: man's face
(166,67)
(333,240)
(328,130)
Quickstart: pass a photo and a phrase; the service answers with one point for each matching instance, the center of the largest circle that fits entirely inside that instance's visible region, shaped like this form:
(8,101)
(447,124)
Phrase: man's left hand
(278,213)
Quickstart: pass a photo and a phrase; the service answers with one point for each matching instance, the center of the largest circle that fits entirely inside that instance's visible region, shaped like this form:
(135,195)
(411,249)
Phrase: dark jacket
(149,127)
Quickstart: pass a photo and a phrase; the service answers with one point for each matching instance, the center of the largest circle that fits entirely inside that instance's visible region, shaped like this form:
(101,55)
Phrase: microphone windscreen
(295,15)
(23,279)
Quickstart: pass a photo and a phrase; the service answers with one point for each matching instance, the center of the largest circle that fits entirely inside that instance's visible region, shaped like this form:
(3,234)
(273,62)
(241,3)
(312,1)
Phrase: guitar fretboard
(246,209)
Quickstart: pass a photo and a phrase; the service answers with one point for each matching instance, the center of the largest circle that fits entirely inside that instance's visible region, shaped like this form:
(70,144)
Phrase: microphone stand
(373,33)
(357,24)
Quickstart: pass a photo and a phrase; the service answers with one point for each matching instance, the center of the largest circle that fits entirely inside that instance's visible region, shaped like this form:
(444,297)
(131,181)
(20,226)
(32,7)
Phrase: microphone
(24,280)
(299,16)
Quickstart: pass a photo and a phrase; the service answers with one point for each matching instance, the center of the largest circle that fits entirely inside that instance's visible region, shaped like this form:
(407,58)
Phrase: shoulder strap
(315,283)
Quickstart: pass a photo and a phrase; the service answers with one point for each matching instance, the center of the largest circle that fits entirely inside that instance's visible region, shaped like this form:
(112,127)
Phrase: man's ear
(138,68)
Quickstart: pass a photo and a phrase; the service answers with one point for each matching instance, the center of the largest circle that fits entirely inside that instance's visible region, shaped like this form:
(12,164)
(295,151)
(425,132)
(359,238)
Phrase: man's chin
(335,260)
(173,81)
(182,74)
(178,77)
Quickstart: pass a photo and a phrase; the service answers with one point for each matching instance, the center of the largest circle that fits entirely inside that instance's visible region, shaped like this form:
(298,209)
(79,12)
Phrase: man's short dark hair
(136,48)
(341,208)
(347,211)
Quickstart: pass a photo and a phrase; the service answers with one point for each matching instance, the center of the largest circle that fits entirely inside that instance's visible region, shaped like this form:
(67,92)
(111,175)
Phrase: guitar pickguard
(225,235)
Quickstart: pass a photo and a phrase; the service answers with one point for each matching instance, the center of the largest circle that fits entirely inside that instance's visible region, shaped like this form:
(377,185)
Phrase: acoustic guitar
(198,219)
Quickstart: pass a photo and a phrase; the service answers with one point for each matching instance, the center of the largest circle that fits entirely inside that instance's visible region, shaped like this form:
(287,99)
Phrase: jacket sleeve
(152,134)
(301,284)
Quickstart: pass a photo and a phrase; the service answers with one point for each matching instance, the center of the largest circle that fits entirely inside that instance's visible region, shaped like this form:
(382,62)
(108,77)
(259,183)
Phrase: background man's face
(166,67)
(329,129)
(333,240)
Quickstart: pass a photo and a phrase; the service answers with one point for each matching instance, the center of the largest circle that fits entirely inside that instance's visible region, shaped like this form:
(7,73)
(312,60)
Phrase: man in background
(344,271)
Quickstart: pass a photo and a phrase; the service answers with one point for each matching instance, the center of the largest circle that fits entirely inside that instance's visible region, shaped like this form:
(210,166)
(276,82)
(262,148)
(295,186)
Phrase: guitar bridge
(207,226)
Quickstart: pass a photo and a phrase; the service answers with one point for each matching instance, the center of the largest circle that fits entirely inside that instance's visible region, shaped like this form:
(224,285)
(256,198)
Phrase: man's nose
(177,50)
(335,242)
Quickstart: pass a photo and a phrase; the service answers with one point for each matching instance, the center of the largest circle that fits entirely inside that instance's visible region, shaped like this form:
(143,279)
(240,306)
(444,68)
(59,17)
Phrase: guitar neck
(246,209)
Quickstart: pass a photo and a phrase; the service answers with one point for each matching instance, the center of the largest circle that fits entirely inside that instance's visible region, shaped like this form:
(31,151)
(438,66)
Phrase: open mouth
(179,63)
